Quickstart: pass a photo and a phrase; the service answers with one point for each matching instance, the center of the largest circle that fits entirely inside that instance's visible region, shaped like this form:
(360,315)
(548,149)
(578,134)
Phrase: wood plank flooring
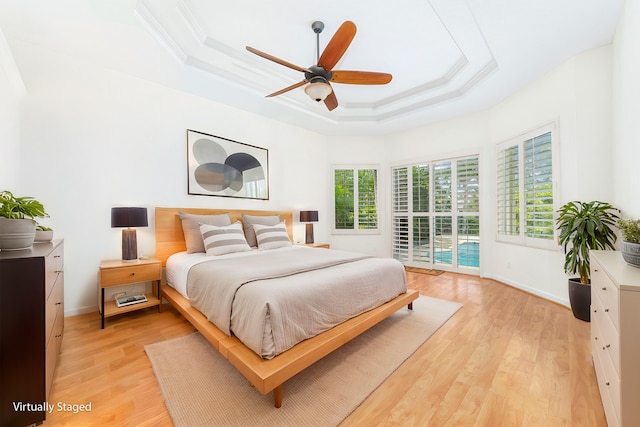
(506,358)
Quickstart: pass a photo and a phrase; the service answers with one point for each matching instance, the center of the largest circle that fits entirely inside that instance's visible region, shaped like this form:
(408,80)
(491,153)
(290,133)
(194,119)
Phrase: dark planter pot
(580,299)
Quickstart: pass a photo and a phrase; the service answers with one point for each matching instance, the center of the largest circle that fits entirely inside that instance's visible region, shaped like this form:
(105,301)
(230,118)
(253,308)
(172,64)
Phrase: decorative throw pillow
(272,236)
(250,220)
(223,240)
(191,228)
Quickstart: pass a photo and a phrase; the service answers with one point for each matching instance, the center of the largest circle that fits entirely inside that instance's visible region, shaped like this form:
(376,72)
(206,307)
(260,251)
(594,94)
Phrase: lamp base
(129,245)
(308,233)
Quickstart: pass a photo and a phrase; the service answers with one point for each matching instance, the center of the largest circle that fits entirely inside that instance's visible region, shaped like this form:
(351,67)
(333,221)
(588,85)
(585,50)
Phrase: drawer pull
(608,345)
(58,303)
(607,383)
(604,289)
(606,310)
(133,274)
(60,256)
(595,338)
(58,271)
(595,310)
(59,335)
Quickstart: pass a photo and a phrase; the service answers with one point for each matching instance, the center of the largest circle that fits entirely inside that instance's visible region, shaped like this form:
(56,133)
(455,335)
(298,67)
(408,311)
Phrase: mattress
(272,300)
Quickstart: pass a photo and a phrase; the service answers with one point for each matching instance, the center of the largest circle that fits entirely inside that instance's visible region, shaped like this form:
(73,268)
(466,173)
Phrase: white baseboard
(530,290)
(81,310)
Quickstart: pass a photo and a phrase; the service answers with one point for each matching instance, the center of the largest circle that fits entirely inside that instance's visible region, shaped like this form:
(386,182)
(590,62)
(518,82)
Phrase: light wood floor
(506,358)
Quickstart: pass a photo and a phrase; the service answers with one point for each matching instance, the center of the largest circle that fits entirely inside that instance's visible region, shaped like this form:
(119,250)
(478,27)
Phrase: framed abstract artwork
(222,167)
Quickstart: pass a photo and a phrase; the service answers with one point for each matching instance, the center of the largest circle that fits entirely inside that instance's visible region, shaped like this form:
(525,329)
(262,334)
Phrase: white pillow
(272,236)
(220,240)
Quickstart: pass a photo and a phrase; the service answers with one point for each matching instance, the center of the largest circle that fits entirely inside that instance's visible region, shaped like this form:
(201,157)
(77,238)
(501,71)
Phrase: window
(355,199)
(436,214)
(525,189)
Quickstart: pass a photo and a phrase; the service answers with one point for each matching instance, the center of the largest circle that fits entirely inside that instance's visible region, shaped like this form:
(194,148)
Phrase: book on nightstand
(130,299)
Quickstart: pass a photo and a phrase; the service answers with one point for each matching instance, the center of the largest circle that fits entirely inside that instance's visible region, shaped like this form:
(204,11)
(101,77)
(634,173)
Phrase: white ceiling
(447,57)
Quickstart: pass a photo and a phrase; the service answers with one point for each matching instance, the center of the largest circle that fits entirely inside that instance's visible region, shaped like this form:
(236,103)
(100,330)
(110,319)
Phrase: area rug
(431,272)
(201,388)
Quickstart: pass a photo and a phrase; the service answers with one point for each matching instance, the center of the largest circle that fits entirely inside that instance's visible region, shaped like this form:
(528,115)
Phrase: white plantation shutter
(421,239)
(468,185)
(442,186)
(525,189)
(400,244)
(538,187)
(400,190)
(508,191)
(420,185)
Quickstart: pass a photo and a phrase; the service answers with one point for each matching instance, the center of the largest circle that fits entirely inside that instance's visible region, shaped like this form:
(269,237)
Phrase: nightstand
(316,245)
(118,273)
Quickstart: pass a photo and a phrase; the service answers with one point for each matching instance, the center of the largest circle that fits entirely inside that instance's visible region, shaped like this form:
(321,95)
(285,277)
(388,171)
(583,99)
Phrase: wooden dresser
(31,329)
(615,336)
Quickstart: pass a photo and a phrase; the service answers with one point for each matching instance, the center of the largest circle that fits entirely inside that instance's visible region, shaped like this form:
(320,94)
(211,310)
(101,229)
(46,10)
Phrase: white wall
(578,95)
(626,108)
(93,138)
(11,92)
(359,151)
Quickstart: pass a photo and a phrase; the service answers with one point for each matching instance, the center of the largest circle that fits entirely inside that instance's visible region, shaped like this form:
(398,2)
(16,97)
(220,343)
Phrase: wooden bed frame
(265,375)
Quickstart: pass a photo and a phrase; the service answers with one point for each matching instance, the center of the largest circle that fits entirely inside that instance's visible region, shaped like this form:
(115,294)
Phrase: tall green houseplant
(584,226)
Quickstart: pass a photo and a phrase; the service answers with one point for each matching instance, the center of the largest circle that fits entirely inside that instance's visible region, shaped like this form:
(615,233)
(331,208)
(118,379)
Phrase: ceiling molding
(183,33)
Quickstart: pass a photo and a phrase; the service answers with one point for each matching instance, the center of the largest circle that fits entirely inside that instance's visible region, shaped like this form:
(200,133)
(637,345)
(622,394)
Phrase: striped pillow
(272,236)
(224,239)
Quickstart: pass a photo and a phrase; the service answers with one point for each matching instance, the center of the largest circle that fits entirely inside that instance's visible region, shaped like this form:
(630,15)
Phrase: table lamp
(129,218)
(309,217)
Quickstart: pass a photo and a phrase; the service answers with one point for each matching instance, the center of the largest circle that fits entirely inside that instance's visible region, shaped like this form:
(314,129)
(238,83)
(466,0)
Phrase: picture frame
(223,167)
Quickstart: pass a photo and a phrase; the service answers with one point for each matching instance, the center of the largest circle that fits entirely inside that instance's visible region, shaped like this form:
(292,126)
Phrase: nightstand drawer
(133,274)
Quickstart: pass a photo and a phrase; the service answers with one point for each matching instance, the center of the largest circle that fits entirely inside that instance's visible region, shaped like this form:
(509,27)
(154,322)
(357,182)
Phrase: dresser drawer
(54,306)
(613,416)
(607,291)
(54,345)
(133,274)
(53,268)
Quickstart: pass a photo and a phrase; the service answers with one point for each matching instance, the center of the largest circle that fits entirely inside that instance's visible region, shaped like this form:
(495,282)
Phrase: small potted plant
(584,226)
(43,234)
(17,225)
(630,248)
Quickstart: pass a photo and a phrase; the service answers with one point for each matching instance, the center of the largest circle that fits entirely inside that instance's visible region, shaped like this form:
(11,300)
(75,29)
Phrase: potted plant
(630,248)
(17,225)
(43,234)
(584,226)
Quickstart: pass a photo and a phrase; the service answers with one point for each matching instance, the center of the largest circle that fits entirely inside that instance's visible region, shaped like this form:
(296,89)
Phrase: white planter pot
(16,234)
(43,236)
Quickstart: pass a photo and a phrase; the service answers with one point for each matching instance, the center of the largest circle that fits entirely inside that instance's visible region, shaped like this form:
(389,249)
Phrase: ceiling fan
(317,77)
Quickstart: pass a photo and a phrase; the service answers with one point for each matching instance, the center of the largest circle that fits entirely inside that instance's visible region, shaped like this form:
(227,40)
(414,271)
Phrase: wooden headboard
(169,235)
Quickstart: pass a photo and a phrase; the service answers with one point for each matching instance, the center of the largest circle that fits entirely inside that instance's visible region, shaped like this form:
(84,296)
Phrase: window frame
(404,215)
(521,238)
(355,230)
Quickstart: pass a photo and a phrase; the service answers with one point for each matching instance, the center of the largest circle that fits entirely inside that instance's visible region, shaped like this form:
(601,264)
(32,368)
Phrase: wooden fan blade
(277,60)
(337,46)
(287,89)
(360,77)
(331,101)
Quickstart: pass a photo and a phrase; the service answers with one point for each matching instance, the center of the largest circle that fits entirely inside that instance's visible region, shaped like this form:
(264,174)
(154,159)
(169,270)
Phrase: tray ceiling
(447,57)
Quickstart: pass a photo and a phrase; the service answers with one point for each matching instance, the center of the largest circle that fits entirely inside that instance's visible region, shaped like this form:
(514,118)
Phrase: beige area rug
(201,388)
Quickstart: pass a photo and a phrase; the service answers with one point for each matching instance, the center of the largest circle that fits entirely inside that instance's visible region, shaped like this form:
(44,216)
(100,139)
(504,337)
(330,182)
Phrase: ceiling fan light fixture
(318,91)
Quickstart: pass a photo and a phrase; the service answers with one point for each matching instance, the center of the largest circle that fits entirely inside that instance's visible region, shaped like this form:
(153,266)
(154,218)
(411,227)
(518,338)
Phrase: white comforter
(272,300)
